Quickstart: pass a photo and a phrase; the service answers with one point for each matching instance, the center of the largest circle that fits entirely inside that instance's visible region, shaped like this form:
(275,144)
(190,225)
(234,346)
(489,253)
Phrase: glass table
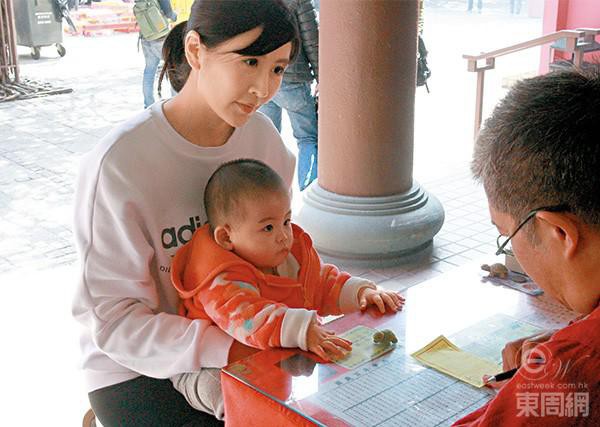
(291,387)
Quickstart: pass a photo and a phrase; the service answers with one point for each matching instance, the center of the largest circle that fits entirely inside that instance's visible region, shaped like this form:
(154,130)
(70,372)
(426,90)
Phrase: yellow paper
(445,357)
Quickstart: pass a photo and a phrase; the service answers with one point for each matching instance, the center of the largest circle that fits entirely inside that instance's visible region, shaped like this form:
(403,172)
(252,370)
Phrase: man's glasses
(502,241)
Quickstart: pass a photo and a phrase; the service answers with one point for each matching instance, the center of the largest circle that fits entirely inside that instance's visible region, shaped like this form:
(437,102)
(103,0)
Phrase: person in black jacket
(295,94)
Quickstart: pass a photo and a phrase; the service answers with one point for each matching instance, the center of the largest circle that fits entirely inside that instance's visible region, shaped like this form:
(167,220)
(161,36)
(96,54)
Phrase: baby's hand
(381,298)
(326,344)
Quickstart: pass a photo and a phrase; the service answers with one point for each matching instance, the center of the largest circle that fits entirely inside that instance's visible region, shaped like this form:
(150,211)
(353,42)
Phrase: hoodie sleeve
(237,307)
(340,291)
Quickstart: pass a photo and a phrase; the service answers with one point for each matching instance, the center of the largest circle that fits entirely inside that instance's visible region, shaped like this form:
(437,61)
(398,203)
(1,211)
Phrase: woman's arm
(118,299)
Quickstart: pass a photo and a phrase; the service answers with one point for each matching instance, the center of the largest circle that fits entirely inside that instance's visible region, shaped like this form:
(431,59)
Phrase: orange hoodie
(258,309)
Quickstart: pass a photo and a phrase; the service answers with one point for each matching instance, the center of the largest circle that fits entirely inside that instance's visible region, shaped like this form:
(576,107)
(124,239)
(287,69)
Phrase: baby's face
(263,234)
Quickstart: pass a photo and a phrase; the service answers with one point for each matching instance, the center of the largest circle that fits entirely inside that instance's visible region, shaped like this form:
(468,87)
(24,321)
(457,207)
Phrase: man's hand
(326,344)
(515,353)
(381,298)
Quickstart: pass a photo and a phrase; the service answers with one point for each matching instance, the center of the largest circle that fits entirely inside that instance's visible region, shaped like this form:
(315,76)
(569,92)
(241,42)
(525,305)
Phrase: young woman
(137,202)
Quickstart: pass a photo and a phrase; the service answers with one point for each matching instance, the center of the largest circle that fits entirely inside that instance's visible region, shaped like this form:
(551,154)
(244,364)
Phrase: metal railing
(9,69)
(575,42)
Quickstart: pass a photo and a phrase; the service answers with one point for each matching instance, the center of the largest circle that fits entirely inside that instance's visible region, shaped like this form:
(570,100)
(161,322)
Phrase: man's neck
(581,277)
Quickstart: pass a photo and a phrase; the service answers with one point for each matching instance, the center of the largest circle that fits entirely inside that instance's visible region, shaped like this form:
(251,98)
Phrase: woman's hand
(515,353)
(326,344)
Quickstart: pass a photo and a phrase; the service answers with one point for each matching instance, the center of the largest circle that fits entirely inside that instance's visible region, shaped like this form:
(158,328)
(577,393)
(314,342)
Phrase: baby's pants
(202,390)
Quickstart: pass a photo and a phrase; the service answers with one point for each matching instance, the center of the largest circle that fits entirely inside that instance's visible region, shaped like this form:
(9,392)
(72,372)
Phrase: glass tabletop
(394,389)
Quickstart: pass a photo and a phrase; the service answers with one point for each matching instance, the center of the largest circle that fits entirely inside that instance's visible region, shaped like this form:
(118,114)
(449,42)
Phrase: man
(538,157)
(295,95)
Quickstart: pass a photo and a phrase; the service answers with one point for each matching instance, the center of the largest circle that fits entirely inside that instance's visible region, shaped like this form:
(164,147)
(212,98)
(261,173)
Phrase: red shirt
(564,391)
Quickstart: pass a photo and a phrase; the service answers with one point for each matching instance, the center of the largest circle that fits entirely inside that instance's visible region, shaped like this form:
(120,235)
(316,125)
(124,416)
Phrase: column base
(374,231)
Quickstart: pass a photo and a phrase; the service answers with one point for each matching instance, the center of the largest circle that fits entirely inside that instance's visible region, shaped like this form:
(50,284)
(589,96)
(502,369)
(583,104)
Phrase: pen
(502,376)
(511,373)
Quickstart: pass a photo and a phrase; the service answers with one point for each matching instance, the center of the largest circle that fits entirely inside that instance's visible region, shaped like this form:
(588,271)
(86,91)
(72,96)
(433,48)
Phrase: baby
(257,276)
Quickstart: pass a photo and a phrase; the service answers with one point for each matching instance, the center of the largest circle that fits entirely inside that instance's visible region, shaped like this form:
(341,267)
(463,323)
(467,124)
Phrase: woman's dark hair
(217,21)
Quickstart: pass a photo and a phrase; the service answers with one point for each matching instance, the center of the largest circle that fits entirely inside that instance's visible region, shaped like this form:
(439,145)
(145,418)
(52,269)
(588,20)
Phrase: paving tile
(398,283)
(442,266)
(458,260)
(441,253)
(374,276)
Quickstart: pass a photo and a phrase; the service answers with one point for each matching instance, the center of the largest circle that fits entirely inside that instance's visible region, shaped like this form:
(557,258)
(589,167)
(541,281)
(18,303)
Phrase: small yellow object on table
(442,355)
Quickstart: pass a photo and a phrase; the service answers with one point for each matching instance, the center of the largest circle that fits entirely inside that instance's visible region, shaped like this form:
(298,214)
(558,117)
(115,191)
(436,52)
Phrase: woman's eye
(279,70)
(268,227)
(287,222)
(253,62)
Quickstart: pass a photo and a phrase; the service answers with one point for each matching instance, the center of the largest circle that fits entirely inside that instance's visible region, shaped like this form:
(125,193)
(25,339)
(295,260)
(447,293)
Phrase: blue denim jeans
(152,55)
(297,100)
(470,5)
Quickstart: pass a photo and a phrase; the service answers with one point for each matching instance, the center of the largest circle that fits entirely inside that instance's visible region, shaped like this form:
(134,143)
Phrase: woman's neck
(195,121)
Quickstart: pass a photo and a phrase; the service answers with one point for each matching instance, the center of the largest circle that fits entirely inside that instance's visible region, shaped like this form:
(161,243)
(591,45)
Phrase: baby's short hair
(235,181)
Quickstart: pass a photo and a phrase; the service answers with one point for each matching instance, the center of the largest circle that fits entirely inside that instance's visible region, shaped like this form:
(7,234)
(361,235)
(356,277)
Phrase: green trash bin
(38,24)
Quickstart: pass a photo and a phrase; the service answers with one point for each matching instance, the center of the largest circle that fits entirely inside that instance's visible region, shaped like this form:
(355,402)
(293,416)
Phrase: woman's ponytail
(175,65)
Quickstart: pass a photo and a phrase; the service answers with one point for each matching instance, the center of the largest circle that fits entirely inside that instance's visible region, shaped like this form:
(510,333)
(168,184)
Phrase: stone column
(365,205)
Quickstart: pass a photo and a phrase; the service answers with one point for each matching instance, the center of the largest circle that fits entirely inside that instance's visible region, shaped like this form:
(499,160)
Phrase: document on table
(363,347)
(444,356)
(487,337)
(394,391)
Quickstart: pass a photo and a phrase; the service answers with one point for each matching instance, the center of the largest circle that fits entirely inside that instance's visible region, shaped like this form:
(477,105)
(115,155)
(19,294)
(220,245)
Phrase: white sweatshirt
(140,198)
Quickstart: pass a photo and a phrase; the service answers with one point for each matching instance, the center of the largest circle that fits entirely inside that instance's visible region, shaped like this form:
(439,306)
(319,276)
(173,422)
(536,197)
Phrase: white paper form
(487,338)
(396,391)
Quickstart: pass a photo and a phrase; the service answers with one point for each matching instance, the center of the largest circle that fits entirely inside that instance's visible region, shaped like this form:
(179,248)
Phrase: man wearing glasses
(538,157)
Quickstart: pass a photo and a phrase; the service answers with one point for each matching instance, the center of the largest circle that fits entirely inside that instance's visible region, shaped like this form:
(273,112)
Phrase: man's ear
(222,236)
(564,228)
(193,49)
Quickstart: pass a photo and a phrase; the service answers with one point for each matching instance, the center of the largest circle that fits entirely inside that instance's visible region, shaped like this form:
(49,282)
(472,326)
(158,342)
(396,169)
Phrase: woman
(139,199)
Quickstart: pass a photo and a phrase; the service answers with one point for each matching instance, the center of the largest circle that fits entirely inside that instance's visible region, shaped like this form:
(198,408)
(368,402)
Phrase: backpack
(151,19)
(423,71)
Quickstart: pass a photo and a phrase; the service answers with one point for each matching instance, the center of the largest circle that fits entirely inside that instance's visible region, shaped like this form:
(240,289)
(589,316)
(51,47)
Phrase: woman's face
(235,86)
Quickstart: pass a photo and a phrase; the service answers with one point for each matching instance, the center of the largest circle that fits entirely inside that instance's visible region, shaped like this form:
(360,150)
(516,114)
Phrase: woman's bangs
(276,33)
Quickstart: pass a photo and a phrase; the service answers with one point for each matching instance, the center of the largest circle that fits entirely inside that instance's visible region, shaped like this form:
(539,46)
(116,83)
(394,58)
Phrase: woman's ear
(193,48)
(564,229)
(222,236)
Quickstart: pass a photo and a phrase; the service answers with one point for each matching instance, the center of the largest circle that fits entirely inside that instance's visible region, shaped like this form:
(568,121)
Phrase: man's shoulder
(585,331)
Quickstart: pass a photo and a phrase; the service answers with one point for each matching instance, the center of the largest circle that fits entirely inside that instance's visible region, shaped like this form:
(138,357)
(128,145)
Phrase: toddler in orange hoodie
(257,276)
